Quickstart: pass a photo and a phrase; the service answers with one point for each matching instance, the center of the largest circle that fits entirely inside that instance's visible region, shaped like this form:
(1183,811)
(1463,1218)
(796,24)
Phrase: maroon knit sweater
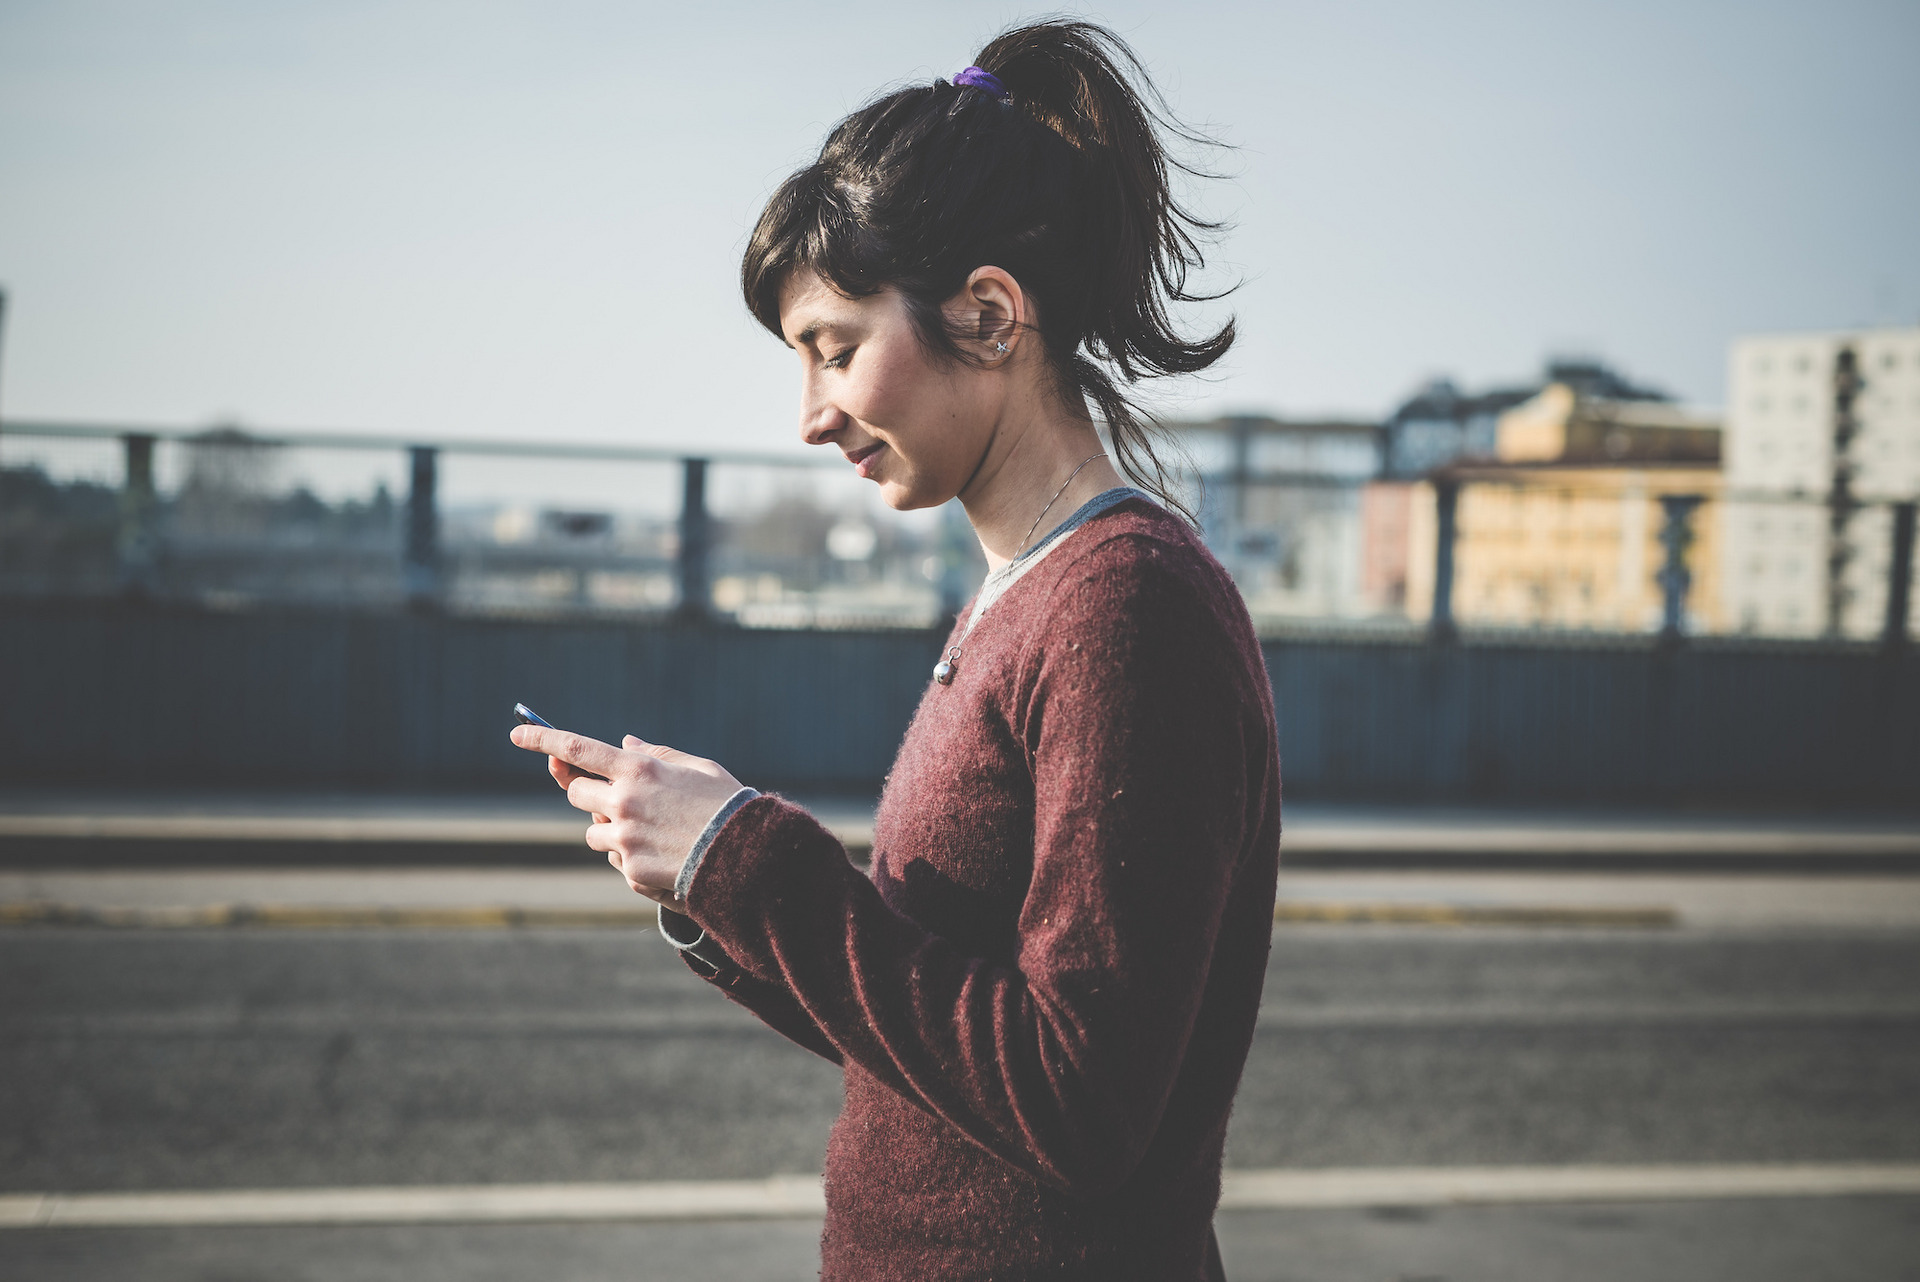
(1044,996)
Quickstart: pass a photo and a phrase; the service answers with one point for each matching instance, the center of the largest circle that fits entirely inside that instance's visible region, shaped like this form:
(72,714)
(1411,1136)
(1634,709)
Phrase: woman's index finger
(574,749)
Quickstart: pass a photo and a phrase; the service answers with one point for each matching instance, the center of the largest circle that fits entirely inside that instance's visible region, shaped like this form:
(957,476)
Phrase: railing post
(135,545)
(1841,502)
(3,351)
(1899,577)
(3,328)
(956,542)
(1674,578)
(696,536)
(420,562)
(1446,505)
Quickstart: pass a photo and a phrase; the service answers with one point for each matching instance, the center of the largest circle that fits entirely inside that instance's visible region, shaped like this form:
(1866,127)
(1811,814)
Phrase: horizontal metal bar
(1519,480)
(320,439)
(1287,480)
(562,450)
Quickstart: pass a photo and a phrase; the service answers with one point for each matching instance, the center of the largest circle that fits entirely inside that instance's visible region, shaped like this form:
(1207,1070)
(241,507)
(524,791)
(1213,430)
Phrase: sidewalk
(52,829)
(594,897)
(358,861)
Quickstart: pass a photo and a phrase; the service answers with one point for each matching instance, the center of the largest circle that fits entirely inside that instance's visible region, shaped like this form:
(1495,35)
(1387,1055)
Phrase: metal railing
(1763,550)
(1471,550)
(221,533)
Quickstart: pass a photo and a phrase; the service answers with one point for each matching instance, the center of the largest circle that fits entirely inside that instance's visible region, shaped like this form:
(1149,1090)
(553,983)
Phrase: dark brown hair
(1063,183)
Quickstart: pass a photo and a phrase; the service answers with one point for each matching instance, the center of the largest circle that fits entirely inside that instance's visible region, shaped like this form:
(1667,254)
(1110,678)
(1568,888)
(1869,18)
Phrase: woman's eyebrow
(813,331)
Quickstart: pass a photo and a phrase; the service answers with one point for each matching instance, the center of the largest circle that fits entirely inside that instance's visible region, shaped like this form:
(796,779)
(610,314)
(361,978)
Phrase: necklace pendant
(943,670)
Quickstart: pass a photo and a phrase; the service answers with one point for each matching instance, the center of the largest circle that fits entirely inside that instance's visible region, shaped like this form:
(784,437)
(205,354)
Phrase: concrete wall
(1511,722)
(105,695)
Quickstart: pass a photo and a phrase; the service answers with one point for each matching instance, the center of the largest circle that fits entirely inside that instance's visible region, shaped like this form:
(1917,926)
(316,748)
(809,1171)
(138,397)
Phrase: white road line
(1595,838)
(778,1198)
(789,1197)
(1439,1186)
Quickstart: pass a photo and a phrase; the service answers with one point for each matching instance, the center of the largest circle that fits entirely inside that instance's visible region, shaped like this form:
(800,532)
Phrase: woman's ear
(995,310)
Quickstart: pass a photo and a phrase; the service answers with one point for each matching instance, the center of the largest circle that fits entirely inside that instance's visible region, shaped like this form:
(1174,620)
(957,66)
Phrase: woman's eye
(838,360)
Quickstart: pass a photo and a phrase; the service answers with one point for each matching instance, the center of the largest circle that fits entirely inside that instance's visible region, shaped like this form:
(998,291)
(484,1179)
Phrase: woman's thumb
(660,752)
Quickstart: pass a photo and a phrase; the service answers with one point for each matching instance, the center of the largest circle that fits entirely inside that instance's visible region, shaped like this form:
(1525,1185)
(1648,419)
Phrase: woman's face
(915,426)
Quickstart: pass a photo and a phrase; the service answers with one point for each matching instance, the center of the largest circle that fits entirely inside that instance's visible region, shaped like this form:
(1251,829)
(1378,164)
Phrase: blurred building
(1280,507)
(1440,424)
(1386,507)
(1561,526)
(1823,430)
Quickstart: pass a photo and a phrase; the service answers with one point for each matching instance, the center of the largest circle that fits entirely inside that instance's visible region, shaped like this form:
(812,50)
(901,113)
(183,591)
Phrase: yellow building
(1562,528)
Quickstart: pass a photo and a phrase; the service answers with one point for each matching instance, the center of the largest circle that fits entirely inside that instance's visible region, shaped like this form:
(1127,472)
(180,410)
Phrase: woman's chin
(908,498)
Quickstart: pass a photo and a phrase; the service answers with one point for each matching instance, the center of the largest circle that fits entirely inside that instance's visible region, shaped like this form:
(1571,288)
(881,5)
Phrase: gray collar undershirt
(1012,572)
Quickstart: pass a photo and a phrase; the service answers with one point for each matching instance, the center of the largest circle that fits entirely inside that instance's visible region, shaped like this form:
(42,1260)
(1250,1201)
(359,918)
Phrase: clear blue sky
(517,218)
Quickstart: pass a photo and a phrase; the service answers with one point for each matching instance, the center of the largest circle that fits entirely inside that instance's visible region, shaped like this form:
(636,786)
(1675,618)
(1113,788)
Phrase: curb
(294,917)
(1413,914)
(31,913)
(58,850)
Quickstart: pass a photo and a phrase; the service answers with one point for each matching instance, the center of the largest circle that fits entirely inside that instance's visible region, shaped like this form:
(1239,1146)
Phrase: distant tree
(56,537)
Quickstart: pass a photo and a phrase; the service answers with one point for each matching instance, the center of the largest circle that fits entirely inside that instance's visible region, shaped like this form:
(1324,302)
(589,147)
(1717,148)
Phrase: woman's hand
(649,807)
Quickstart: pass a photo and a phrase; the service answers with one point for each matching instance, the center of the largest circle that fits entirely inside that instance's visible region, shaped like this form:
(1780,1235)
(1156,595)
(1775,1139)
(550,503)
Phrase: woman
(1044,995)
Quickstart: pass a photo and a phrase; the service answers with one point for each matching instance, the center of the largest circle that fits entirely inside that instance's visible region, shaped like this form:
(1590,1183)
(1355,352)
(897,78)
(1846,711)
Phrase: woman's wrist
(684,881)
(676,927)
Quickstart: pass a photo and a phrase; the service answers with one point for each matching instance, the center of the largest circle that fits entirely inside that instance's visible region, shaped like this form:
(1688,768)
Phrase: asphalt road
(279,1058)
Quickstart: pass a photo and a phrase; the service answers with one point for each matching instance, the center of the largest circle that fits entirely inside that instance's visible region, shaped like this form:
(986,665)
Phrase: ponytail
(1063,181)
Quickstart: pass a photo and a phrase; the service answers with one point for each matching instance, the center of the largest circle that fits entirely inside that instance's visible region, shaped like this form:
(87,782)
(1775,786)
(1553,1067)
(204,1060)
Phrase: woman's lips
(863,460)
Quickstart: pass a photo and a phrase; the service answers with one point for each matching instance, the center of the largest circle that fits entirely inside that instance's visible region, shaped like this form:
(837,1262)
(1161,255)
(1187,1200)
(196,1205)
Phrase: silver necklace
(943,671)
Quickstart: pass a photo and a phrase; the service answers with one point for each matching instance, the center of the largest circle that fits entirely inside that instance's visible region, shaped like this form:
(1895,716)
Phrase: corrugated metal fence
(116,695)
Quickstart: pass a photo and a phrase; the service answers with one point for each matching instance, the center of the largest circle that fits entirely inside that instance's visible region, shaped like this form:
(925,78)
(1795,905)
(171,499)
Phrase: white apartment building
(1811,418)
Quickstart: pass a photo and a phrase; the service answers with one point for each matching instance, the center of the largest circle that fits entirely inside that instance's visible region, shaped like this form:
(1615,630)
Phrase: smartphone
(528,717)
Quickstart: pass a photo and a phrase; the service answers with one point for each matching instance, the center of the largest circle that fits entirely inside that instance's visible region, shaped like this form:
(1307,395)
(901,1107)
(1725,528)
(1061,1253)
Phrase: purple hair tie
(978,79)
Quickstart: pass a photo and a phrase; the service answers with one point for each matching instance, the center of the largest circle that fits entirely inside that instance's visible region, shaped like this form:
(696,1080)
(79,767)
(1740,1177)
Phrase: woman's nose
(819,418)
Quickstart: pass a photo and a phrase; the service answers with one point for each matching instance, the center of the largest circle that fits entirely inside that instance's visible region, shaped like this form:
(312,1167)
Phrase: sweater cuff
(773,860)
(680,930)
(705,839)
(684,933)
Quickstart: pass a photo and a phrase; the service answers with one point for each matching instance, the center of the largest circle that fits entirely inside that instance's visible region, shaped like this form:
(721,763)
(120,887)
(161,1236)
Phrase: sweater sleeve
(774,1005)
(705,958)
(1131,709)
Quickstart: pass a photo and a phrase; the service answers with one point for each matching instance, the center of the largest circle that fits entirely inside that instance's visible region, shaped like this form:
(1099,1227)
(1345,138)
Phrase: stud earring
(1000,349)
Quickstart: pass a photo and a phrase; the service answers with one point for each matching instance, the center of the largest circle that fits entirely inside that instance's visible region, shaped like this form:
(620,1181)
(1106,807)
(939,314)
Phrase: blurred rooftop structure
(1440,423)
